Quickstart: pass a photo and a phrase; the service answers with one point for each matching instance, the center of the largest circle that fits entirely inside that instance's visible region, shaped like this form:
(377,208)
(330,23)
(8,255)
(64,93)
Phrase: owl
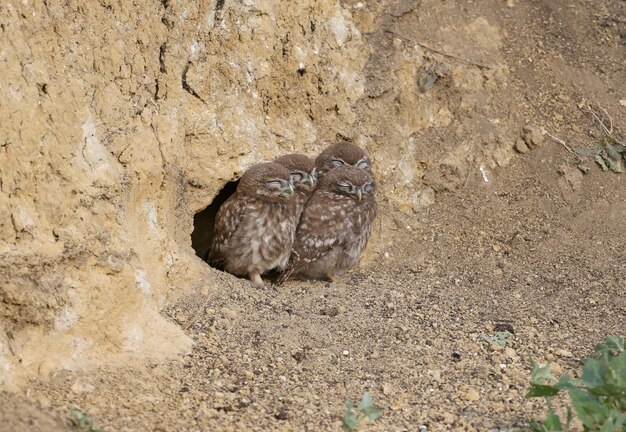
(342,153)
(303,176)
(335,225)
(255,227)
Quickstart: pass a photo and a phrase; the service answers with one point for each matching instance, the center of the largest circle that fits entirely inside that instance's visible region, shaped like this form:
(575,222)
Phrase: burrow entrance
(204,221)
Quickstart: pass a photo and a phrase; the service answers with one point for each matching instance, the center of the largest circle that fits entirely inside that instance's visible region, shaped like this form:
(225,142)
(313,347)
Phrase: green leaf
(615,422)
(594,372)
(366,401)
(614,165)
(373,412)
(367,407)
(350,421)
(589,408)
(540,375)
(570,417)
(502,338)
(535,427)
(565,382)
(541,390)
(581,151)
(600,160)
(552,423)
(614,344)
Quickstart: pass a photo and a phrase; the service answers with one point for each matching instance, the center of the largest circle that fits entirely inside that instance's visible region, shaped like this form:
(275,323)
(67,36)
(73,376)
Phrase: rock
(510,353)
(471,395)
(564,353)
(521,147)
(448,418)
(387,389)
(81,385)
(533,136)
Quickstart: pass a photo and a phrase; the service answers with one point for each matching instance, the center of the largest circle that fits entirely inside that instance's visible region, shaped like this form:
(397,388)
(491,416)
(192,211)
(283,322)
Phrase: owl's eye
(364,164)
(296,176)
(274,184)
(368,188)
(344,186)
(337,162)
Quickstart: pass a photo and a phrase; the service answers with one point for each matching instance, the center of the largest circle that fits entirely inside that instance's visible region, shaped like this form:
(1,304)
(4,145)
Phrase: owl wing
(227,219)
(319,232)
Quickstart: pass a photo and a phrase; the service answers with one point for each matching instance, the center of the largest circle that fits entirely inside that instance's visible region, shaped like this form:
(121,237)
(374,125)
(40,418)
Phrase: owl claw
(256,280)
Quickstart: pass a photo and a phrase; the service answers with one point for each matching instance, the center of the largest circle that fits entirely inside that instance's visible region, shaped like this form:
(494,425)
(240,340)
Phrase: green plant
(598,399)
(81,422)
(502,338)
(366,410)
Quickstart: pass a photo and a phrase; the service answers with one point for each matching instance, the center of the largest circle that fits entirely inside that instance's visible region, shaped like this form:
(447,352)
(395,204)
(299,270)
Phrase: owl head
(349,181)
(303,171)
(342,153)
(269,182)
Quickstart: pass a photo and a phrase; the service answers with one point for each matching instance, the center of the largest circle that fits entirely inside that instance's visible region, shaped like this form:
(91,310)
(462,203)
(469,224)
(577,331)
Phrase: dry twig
(563,143)
(478,65)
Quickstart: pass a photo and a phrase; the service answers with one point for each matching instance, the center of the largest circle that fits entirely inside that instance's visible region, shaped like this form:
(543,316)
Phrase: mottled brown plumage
(303,176)
(335,225)
(342,153)
(255,227)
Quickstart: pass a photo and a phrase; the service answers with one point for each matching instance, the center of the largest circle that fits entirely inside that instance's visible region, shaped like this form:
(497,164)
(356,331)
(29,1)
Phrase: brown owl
(303,176)
(335,225)
(255,227)
(342,153)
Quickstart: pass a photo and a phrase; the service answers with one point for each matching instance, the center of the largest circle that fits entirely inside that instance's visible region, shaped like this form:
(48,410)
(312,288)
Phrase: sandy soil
(538,250)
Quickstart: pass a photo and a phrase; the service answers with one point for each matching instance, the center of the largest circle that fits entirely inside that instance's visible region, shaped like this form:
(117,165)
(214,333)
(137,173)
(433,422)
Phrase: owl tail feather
(294,264)
(284,276)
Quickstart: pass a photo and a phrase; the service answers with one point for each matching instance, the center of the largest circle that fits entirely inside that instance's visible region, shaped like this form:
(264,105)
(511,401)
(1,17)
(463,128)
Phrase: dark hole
(204,221)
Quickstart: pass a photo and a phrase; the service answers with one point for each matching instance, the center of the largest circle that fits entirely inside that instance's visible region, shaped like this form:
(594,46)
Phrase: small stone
(229,313)
(533,135)
(496,347)
(510,353)
(558,117)
(563,353)
(622,102)
(521,147)
(471,395)
(282,414)
(576,129)
(82,386)
(496,406)
(448,418)
(556,369)
(346,353)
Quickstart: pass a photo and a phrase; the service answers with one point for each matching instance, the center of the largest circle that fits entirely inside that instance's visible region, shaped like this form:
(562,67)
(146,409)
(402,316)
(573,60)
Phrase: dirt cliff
(124,122)
(122,119)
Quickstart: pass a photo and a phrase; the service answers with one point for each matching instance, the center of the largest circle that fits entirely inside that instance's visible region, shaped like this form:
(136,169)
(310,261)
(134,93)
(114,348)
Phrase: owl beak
(359,194)
(289,190)
(310,181)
